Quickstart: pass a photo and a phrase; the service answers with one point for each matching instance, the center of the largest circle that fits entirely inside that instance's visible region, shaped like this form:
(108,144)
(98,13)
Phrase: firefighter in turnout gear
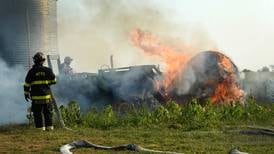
(65,67)
(37,89)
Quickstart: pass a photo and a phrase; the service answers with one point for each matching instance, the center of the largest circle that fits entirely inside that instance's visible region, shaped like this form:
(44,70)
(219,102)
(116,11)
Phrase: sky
(243,29)
(91,30)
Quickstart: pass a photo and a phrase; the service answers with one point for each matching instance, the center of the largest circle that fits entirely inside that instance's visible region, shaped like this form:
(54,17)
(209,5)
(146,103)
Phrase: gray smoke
(108,87)
(201,74)
(91,30)
(259,85)
(13,105)
(78,87)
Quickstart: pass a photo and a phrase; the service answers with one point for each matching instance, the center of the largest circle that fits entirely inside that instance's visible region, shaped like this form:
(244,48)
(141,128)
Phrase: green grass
(188,128)
(25,139)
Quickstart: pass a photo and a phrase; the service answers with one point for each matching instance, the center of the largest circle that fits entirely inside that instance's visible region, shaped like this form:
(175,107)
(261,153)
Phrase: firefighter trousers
(42,114)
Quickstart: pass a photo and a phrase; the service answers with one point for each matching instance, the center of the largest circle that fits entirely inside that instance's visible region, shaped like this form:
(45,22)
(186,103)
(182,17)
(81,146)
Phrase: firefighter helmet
(39,57)
(67,59)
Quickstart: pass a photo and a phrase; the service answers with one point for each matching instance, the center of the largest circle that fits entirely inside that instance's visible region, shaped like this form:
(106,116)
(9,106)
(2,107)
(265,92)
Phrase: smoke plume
(91,30)
(13,105)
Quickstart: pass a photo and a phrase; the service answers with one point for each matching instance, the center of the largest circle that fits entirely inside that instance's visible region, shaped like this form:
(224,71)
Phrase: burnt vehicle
(134,85)
(129,84)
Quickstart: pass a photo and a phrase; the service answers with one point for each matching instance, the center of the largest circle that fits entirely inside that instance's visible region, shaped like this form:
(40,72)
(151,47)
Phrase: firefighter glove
(27,97)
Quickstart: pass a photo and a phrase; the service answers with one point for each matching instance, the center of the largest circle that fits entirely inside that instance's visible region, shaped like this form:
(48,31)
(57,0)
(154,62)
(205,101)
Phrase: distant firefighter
(65,67)
(37,89)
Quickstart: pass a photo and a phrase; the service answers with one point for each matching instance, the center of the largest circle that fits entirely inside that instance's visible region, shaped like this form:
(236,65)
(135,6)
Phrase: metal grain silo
(27,26)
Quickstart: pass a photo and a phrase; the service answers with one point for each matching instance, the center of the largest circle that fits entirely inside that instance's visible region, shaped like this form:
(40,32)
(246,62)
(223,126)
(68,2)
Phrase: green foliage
(137,117)
(71,114)
(189,116)
(193,115)
(105,119)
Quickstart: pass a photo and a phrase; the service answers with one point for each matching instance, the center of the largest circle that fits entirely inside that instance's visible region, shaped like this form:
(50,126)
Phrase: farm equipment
(134,85)
(209,74)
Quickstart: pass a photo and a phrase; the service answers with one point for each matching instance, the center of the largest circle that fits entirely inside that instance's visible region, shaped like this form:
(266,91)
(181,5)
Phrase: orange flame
(174,59)
(228,89)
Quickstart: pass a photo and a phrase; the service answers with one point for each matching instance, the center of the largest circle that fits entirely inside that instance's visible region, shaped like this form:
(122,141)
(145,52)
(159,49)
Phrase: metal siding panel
(27,26)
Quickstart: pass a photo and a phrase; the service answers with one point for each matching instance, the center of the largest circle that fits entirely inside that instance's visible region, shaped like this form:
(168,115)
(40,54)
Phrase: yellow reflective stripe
(26,84)
(41,97)
(53,81)
(43,82)
(40,82)
(26,92)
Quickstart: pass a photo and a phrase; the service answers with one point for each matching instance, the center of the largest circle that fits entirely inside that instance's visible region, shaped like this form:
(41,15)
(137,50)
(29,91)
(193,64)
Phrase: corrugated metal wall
(27,26)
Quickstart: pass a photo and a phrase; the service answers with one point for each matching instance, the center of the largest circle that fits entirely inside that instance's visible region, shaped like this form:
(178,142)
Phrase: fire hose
(65,149)
(58,114)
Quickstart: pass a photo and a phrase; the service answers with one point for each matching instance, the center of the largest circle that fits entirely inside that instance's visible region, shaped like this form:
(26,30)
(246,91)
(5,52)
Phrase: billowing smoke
(13,105)
(259,85)
(209,74)
(187,75)
(91,30)
(81,88)
(114,86)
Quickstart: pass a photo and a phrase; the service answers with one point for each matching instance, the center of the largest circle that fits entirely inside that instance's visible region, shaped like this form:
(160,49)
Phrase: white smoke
(92,30)
(259,85)
(188,79)
(13,105)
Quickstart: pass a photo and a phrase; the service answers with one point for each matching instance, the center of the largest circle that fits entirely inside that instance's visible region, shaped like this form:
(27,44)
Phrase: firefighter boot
(49,128)
(41,128)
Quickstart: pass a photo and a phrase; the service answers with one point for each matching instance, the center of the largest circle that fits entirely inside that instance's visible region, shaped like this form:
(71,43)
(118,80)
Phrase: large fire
(228,89)
(175,60)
